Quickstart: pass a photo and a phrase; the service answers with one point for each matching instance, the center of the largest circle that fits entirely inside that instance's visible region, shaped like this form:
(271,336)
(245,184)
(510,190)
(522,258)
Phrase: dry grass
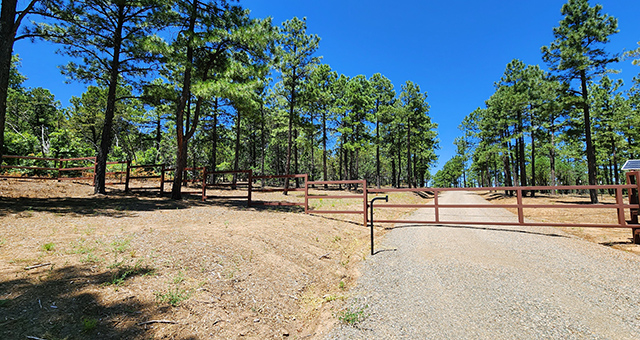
(216,268)
(619,238)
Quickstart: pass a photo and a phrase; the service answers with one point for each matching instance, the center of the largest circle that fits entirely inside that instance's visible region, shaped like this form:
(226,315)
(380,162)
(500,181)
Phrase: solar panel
(632,164)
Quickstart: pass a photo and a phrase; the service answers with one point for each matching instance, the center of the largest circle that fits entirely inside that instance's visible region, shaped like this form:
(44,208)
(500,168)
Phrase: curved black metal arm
(386,199)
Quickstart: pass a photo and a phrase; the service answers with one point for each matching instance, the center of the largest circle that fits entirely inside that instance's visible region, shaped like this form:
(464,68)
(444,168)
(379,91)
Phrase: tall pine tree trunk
(614,156)
(506,162)
(409,177)
(295,156)
(552,157)
(214,137)
(377,145)
(313,162)
(185,96)
(324,147)
(399,167)
(393,172)
(158,139)
(262,143)
(521,154)
(533,162)
(590,149)
(107,129)
(339,174)
(8,28)
(236,159)
(292,105)
(516,161)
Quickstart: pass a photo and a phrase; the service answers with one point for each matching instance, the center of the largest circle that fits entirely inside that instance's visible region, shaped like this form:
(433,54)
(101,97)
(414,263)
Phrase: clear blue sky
(455,50)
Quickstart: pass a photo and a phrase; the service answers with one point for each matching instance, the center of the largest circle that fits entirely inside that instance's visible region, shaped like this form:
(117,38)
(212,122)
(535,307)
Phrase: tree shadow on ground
(112,206)
(63,303)
(121,205)
(585,202)
(475,228)
(360,224)
(618,243)
(496,196)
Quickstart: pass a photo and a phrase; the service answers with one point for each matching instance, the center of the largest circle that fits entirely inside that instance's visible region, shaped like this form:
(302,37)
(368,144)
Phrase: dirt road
(470,282)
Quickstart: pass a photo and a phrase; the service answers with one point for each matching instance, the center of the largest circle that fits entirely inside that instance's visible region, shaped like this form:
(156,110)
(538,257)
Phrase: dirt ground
(74,265)
(619,238)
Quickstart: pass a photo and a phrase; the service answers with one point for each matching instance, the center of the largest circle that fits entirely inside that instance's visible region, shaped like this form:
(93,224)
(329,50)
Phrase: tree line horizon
(203,83)
(539,127)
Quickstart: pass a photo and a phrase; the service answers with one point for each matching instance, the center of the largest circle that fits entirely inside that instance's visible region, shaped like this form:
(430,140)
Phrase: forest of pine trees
(201,83)
(573,125)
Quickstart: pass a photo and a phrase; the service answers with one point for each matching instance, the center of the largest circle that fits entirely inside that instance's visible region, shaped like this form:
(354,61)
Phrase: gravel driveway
(476,282)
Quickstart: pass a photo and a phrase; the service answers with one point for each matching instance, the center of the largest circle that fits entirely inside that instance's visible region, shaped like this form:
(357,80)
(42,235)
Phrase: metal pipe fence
(363,197)
(282,189)
(83,168)
(233,184)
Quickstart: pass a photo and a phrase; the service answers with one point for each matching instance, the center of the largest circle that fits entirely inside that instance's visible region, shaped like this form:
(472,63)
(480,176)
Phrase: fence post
(204,184)
(162,179)
(249,188)
(520,209)
(620,209)
(306,193)
(127,176)
(435,205)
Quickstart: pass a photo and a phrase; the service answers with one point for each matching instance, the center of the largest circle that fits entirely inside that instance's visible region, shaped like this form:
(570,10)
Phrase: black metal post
(386,199)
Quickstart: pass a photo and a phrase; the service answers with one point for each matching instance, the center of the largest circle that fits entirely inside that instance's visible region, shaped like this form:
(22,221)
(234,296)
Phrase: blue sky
(455,50)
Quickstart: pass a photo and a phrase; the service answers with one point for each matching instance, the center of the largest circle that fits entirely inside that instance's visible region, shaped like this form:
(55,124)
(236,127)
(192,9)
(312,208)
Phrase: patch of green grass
(91,258)
(120,246)
(48,246)
(89,324)
(179,279)
(2,241)
(173,296)
(329,298)
(126,272)
(116,265)
(342,285)
(81,248)
(353,315)
(4,303)
(337,238)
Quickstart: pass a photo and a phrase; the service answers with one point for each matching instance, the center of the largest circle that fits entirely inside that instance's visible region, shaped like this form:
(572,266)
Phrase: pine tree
(296,61)
(384,96)
(577,53)
(109,37)
(10,21)
(217,43)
